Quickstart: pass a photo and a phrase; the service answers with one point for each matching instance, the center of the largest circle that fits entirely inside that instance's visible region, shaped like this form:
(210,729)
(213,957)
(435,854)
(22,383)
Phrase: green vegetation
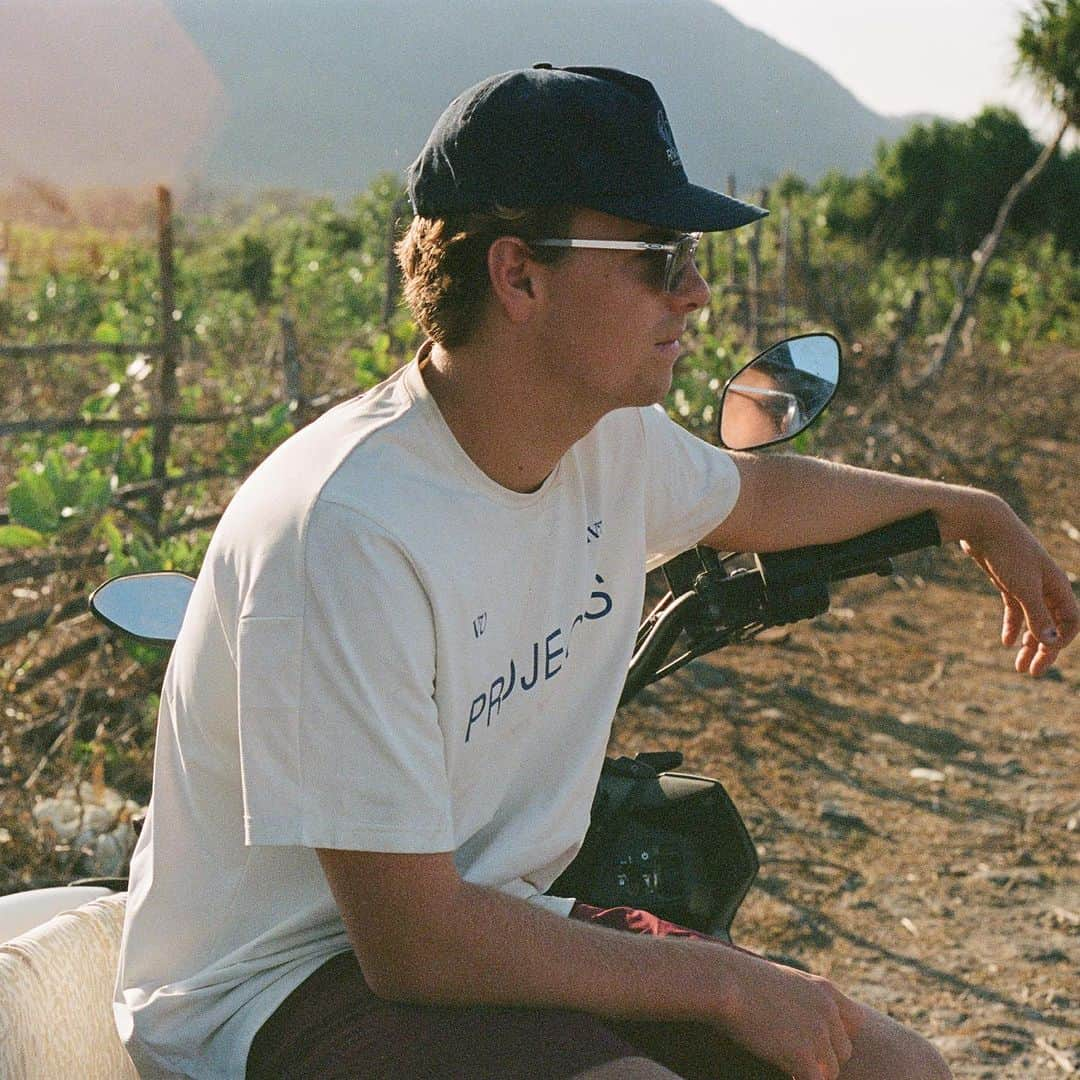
(854,262)
(878,259)
(936,191)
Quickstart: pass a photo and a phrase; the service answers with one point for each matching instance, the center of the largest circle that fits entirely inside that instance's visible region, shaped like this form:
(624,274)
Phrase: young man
(385,715)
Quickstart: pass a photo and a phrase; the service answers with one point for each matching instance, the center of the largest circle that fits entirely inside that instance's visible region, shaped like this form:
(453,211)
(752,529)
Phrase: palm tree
(1048,53)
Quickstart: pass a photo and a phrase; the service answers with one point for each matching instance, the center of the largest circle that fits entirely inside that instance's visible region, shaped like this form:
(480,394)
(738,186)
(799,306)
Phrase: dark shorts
(333,1026)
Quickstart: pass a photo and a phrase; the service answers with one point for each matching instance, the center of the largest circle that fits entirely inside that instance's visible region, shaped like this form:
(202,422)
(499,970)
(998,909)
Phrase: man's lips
(674,338)
(671,346)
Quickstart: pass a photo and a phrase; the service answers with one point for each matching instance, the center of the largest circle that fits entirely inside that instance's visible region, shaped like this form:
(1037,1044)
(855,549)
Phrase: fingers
(823,1066)
(1012,621)
(843,1018)
(1043,622)
(1063,605)
(1051,627)
(801,1023)
(830,1067)
(852,1015)
(1034,657)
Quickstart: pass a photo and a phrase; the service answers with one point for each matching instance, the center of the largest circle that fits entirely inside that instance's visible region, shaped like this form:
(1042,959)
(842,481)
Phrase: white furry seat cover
(56,991)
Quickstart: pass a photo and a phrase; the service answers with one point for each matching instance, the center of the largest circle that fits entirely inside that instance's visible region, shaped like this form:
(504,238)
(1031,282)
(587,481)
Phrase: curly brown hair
(444,263)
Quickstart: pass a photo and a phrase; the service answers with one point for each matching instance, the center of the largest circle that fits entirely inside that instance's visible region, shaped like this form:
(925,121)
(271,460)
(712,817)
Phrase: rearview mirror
(779,393)
(148,606)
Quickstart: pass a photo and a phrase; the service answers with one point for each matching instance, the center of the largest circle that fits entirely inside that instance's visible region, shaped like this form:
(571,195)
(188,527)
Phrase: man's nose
(693,290)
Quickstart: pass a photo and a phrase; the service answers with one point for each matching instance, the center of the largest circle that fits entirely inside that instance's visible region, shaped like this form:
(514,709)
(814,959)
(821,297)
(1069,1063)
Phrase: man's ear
(511,270)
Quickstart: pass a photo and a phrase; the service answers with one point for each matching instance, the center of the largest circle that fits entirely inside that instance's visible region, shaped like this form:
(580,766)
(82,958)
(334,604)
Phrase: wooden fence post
(290,362)
(818,303)
(5,262)
(891,358)
(783,258)
(170,355)
(733,247)
(753,281)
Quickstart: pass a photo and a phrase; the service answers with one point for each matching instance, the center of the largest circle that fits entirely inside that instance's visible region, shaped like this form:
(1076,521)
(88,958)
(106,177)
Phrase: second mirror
(779,393)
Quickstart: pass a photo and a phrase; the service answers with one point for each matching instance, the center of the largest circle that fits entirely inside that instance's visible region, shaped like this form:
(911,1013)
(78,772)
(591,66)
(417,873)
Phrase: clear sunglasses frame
(679,253)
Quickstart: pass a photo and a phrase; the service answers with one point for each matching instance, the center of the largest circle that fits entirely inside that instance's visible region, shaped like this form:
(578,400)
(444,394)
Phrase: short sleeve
(691,486)
(339,737)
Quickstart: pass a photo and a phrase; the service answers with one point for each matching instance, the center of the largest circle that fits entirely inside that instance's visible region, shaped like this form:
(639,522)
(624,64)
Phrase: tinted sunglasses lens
(678,262)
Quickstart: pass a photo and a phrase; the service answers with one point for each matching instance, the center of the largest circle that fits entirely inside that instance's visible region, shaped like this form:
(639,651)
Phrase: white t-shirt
(385,651)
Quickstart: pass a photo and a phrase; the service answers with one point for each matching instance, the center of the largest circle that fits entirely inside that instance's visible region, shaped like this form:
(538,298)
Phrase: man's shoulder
(347,455)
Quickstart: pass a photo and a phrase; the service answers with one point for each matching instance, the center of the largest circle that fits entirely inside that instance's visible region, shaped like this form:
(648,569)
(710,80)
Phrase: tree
(1048,53)
(936,189)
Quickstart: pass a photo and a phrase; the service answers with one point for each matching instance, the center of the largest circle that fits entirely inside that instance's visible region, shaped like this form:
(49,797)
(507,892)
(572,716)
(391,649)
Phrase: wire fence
(142,500)
(773,298)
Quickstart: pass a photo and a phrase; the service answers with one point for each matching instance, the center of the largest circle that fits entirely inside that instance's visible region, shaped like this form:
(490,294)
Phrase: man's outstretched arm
(789,501)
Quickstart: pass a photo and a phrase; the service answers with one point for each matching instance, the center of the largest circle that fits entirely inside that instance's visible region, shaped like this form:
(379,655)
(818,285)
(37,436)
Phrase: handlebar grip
(860,554)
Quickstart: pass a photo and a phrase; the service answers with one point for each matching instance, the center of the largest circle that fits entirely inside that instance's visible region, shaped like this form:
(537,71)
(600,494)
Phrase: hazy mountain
(325,94)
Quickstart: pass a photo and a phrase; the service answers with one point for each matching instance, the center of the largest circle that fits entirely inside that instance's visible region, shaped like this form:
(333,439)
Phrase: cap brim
(689,208)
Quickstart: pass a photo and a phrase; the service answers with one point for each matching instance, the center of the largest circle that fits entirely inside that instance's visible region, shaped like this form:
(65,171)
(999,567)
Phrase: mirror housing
(147,606)
(780,393)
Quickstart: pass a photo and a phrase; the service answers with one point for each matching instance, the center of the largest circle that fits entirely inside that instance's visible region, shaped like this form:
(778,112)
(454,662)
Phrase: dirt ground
(915,802)
(949,898)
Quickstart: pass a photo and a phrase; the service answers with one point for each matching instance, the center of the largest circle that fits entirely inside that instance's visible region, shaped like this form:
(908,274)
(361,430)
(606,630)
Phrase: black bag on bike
(670,843)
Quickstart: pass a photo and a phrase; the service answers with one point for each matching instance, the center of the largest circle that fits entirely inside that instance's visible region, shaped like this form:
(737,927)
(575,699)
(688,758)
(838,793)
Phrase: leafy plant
(50,495)
(252,438)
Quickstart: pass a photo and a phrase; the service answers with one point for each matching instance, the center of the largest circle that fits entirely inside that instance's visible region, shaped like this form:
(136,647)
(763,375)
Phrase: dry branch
(170,354)
(981,257)
(61,660)
(75,348)
(42,566)
(35,620)
(82,423)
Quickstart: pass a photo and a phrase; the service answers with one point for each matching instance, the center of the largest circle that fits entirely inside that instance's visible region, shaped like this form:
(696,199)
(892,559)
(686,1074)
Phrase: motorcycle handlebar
(848,558)
(787,586)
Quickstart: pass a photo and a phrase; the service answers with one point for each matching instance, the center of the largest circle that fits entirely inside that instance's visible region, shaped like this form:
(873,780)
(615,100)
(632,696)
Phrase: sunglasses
(672,259)
(783,409)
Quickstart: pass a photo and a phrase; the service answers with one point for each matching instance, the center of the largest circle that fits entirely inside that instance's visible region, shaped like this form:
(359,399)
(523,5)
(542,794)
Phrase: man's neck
(514,429)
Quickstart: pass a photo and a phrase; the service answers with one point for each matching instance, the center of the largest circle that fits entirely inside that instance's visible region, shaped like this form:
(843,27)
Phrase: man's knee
(628,1068)
(886,1050)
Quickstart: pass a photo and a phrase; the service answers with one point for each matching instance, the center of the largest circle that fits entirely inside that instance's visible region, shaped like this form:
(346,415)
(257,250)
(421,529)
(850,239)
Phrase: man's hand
(1041,613)
(800,1023)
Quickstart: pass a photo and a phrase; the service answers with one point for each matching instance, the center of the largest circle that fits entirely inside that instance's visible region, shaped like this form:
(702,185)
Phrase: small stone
(935,776)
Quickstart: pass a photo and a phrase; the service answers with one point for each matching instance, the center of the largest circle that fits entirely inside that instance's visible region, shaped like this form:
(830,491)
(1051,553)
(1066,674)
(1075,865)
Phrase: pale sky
(948,57)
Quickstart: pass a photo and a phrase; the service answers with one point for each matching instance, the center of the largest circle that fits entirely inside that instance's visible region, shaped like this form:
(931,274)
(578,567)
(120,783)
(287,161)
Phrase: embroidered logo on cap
(664,128)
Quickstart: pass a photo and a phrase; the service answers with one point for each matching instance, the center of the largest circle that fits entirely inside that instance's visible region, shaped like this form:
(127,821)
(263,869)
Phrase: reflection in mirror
(147,606)
(779,393)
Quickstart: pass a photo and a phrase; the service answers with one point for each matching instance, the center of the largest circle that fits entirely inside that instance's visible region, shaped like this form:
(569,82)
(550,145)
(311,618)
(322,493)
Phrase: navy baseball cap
(577,136)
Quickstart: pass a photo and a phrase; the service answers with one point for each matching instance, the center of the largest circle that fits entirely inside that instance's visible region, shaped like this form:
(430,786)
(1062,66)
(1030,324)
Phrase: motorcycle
(670,842)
